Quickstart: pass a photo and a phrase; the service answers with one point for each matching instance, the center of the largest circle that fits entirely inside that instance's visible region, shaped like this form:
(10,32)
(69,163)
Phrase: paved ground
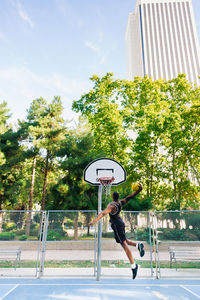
(106,289)
(88,255)
(106,273)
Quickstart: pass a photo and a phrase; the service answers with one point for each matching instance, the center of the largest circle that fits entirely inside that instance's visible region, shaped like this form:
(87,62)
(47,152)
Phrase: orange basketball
(135,187)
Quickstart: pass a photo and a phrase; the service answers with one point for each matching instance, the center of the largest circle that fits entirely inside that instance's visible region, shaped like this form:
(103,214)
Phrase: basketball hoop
(106,183)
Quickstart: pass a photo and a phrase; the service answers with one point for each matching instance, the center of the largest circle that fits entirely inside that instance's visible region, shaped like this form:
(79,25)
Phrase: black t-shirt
(115,217)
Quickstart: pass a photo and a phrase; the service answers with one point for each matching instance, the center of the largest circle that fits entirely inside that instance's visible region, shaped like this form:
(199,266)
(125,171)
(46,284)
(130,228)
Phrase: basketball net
(106,183)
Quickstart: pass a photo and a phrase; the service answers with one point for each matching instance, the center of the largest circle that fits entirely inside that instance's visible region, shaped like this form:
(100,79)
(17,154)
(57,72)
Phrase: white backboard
(104,167)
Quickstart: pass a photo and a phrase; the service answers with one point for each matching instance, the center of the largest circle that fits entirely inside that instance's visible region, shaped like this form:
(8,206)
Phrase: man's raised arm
(101,214)
(131,196)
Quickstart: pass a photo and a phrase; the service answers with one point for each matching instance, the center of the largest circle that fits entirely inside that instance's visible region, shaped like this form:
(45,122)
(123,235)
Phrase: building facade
(162,41)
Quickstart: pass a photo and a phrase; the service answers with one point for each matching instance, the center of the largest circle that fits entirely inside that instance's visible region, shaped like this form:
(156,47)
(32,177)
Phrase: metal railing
(20,242)
(60,243)
(70,239)
(177,243)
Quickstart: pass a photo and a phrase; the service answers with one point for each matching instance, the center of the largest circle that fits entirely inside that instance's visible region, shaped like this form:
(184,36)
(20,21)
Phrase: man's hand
(91,223)
(131,196)
(136,187)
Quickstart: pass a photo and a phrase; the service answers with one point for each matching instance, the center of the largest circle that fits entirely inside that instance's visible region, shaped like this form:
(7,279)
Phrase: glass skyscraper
(161,40)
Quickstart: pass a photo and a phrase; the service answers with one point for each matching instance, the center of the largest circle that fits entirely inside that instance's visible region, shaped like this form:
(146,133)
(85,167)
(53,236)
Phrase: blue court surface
(90,289)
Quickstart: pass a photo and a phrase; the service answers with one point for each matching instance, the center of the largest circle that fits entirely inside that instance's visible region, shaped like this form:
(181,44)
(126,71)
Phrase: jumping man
(118,226)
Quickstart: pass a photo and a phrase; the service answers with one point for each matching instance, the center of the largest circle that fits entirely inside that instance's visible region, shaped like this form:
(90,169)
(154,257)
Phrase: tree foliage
(103,112)
(151,127)
(163,119)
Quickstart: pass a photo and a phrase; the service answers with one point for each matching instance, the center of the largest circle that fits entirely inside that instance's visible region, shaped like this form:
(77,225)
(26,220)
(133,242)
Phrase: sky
(52,47)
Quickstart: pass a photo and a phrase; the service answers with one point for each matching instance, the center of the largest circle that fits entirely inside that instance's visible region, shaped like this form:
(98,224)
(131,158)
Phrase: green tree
(32,153)
(159,113)
(102,109)
(181,138)
(4,116)
(71,192)
(11,170)
(47,131)
(144,111)
(75,153)
(157,133)
(192,118)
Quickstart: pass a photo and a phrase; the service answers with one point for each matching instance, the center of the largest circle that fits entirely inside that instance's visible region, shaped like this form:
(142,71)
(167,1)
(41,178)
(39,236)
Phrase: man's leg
(134,266)
(128,251)
(139,246)
(130,243)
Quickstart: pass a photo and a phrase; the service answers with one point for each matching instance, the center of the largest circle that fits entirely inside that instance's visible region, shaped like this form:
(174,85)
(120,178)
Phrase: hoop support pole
(99,235)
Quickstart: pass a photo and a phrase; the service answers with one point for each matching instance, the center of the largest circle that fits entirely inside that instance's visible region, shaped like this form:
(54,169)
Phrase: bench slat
(11,253)
(178,253)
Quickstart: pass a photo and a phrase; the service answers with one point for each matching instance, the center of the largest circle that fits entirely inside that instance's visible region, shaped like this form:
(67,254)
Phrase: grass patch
(105,264)
(182,265)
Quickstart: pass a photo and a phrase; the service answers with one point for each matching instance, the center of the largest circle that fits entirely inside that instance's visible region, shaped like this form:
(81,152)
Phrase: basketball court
(96,282)
(85,289)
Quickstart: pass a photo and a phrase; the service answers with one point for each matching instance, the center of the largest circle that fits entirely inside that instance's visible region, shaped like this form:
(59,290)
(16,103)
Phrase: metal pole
(155,244)
(42,218)
(150,243)
(99,235)
(95,249)
(44,244)
(158,258)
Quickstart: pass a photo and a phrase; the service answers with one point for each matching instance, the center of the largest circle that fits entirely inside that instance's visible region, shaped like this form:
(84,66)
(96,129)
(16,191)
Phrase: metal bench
(11,253)
(182,253)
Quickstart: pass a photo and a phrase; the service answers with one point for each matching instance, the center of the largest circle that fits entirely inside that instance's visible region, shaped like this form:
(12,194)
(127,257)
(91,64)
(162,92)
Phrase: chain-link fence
(20,241)
(138,229)
(70,244)
(178,243)
(60,243)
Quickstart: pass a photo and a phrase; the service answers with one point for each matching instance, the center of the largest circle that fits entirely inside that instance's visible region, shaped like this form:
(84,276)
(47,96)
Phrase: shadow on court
(90,289)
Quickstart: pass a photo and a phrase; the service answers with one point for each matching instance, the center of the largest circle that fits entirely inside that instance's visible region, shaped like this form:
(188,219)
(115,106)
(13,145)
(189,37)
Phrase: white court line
(191,292)
(98,284)
(159,295)
(4,296)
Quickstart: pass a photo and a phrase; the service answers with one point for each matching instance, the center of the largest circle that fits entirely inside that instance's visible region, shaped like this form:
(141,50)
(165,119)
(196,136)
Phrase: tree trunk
(45,181)
(1,215)
(147,182)
(131,220)
(174,173)
(30,203)
(76,227)
(196,173)
(88,227)
(105,223)
(152,168)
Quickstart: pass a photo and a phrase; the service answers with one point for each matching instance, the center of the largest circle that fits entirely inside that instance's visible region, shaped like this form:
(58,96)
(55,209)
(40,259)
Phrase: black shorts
(119,233)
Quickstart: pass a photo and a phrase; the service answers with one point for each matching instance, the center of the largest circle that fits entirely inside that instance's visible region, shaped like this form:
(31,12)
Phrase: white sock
(133,266)
(137,245)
